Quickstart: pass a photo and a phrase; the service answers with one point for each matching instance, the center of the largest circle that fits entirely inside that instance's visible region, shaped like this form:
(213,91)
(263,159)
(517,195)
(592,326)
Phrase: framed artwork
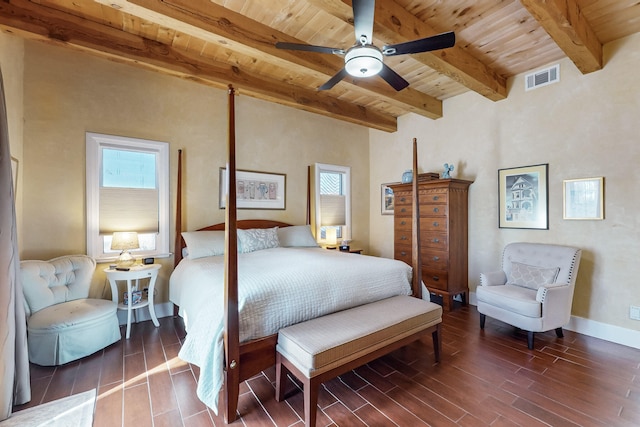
(255,190)
(583,198)
(524,197)
(386,201)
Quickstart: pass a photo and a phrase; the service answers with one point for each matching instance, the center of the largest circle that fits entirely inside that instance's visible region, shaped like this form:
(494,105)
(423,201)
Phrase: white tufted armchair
(63,324)
(534,289)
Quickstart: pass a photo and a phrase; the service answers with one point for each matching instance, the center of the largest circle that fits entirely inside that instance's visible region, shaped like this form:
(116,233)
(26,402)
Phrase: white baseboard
(164,309)
(592,328)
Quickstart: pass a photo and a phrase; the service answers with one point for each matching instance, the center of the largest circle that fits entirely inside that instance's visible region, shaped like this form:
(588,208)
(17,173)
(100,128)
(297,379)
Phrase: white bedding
(276,288)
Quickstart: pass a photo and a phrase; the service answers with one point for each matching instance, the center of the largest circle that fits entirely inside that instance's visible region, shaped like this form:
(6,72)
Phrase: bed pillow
(204,243)
(296,236)
(256,239)
(530,276)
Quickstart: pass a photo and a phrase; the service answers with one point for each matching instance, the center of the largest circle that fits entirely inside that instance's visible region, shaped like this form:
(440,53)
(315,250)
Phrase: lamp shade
(125,240)
(332,210)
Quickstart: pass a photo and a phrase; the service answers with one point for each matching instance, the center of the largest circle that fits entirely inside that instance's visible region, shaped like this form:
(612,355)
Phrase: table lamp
(124,241)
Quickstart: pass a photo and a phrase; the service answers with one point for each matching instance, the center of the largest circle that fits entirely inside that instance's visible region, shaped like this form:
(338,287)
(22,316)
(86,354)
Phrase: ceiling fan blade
(393,78)
(309,48)
(440,41)
(334,80)
(363,19)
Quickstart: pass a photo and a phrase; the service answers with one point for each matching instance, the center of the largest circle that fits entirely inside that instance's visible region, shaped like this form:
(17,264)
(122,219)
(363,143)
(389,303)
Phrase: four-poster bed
(250,348)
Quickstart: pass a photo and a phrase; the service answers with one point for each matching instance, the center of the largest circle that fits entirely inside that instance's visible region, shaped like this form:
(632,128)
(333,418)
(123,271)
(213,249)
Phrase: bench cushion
(321,344)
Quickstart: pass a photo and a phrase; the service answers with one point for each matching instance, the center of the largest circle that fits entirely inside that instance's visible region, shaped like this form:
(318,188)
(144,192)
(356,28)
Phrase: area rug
(72,411)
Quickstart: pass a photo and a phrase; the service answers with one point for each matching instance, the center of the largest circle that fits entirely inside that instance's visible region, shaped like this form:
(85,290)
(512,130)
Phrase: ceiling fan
(364,59)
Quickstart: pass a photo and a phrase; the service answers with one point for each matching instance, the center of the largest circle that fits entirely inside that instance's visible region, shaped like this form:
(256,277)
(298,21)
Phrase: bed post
(415,229)
(177,249)
(231,327)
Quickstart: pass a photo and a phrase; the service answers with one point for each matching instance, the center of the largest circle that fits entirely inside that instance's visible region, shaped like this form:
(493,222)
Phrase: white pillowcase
(204,243)
(256,239)
(296,236)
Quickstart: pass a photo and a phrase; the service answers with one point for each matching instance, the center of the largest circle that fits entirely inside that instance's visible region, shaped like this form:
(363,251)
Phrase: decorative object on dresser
(443,233)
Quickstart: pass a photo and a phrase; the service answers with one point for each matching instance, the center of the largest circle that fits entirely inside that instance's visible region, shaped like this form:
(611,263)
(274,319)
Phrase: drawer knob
(403,253)
(403,237)
(436,209)
(435,198)
(435,278)
(436,240)
(402,199)
(436,258)
(436,224)
(403,222)
(403,210)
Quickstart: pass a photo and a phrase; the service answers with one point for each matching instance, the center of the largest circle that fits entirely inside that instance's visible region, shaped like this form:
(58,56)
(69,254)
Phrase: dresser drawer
(435,260)
(402,198)
(433,224)
(434,196)
(434,240)
(434,279)
(434,210)
(402,252)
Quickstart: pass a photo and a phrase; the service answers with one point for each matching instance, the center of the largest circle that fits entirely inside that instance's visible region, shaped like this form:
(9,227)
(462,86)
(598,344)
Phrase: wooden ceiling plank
(565,23)
(394,24)
(210,18)
(37,22)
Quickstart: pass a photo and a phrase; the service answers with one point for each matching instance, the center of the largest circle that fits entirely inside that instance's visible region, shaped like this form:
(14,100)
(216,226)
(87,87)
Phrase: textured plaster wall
(69,93)
(12,66)
(583,126)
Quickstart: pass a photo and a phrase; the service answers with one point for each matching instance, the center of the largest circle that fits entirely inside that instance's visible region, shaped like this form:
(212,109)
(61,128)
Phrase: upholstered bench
(323,348)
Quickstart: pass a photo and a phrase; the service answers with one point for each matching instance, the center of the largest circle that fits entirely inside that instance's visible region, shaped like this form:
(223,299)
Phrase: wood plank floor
(486,378)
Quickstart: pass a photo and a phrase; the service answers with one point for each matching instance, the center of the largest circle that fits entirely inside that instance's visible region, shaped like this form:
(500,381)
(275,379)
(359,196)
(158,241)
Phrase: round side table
(132,277)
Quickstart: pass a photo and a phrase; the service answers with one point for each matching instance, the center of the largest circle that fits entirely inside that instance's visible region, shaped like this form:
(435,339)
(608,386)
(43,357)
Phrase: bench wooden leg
(311,391)
(437,342)
(281,378)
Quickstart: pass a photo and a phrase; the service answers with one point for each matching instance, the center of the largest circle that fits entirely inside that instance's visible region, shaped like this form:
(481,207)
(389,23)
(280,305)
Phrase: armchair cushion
(516,299)
(530,276)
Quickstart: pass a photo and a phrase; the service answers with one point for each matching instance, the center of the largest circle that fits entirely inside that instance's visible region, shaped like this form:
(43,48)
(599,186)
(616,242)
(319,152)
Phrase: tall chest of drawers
(444,212)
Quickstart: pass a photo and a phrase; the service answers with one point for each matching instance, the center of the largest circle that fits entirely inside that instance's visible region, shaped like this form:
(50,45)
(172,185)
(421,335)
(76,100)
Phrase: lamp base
(125,260)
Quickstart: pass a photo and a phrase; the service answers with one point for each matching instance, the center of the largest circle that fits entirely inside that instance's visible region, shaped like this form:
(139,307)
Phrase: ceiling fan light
(363,61)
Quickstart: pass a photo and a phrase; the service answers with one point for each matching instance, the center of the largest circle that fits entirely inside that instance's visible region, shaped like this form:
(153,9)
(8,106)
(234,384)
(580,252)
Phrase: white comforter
(276,288)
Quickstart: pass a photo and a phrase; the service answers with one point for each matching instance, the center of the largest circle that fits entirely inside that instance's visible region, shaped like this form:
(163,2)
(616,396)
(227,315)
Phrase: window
(331,210)
(127,190)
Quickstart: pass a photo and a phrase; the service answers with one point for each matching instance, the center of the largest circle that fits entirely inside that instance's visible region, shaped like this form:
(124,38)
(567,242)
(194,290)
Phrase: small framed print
(583,198)
(386,201)
(523,193)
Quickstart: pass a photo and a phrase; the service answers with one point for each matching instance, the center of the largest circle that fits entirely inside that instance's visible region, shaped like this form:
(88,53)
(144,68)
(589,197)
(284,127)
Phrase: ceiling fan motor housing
(363,61)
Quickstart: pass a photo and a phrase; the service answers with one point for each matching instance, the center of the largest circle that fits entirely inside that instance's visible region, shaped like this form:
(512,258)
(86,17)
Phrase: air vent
(542,77)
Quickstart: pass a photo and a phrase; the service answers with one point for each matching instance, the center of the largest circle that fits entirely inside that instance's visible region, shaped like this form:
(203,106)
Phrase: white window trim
(346,170)
(94,143)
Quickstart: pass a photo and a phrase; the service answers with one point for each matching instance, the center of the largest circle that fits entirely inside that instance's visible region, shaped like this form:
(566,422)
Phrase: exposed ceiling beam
(394,24)
(209,21)
(564,22)
(35,21)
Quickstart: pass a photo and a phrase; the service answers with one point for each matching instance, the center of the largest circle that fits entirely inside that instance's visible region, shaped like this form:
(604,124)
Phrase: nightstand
(132,277)
(353,251)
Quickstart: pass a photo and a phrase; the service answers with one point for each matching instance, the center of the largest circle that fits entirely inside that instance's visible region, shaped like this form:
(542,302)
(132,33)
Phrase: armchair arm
(556,302)
(493,278)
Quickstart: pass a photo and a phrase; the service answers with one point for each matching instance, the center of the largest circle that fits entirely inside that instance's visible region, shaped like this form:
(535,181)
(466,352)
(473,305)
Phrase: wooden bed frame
(244,360)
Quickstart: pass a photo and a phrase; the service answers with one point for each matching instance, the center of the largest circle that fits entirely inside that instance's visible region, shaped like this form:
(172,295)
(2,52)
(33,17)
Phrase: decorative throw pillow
(256,239)
(296,236)
(204,243)
(530,276)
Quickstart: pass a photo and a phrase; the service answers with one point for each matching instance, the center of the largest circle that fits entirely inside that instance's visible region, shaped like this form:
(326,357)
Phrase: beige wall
(583,126)
(69,93)
(12,66)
